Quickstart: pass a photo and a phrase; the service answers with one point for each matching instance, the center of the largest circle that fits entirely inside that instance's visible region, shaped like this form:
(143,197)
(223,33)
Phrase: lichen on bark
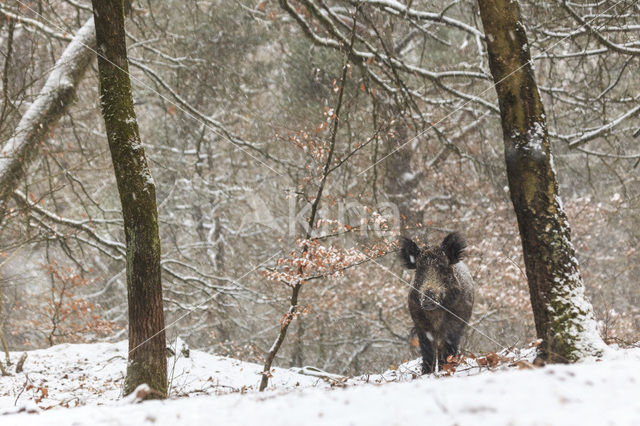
(564,318)
(147,360)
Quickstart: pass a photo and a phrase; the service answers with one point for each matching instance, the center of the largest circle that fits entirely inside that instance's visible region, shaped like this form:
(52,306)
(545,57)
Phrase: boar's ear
(409,252)
(453,247)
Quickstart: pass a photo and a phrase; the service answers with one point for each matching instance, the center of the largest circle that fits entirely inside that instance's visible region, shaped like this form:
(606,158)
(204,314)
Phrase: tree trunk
(147,359)
(42,115)
(563,316)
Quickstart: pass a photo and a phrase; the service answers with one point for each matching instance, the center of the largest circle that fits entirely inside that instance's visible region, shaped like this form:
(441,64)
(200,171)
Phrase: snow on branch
(35,24)
(50,105)
(576,140)
(371,57)
(620,48)
(398,8)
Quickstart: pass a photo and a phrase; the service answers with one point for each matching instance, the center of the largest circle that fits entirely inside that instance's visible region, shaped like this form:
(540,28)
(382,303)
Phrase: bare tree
(564,318)
(147,360)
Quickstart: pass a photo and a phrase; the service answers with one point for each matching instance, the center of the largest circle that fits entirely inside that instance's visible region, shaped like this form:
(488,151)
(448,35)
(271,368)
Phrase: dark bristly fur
(441,298)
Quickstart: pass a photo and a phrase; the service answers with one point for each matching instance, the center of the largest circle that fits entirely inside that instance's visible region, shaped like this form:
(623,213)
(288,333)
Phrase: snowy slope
(595,392)
(79,374)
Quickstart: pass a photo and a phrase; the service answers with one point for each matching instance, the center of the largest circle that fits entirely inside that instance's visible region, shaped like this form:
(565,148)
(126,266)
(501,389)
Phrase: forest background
(235,101)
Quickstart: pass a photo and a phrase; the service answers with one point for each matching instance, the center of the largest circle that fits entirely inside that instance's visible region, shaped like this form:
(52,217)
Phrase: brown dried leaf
(449,368)
(523,364)
(493,359)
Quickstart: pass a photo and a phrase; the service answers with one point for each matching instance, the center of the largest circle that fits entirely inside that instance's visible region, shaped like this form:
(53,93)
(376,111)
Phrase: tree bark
(43,114)
(147,359)
(564,318)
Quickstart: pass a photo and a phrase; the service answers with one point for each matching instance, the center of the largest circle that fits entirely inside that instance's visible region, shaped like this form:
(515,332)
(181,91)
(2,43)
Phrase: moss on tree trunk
(564,318)
(147,359)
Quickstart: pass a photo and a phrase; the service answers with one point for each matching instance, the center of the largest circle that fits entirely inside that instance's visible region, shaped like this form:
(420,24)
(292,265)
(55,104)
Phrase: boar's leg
(450,347)
(428,353)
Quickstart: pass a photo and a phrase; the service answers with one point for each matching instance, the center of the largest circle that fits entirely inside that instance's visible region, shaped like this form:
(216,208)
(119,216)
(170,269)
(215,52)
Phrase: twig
(293,308)
(26,382)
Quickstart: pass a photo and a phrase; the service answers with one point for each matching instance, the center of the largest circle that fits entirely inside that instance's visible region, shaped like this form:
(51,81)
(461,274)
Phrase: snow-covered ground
(208,389)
